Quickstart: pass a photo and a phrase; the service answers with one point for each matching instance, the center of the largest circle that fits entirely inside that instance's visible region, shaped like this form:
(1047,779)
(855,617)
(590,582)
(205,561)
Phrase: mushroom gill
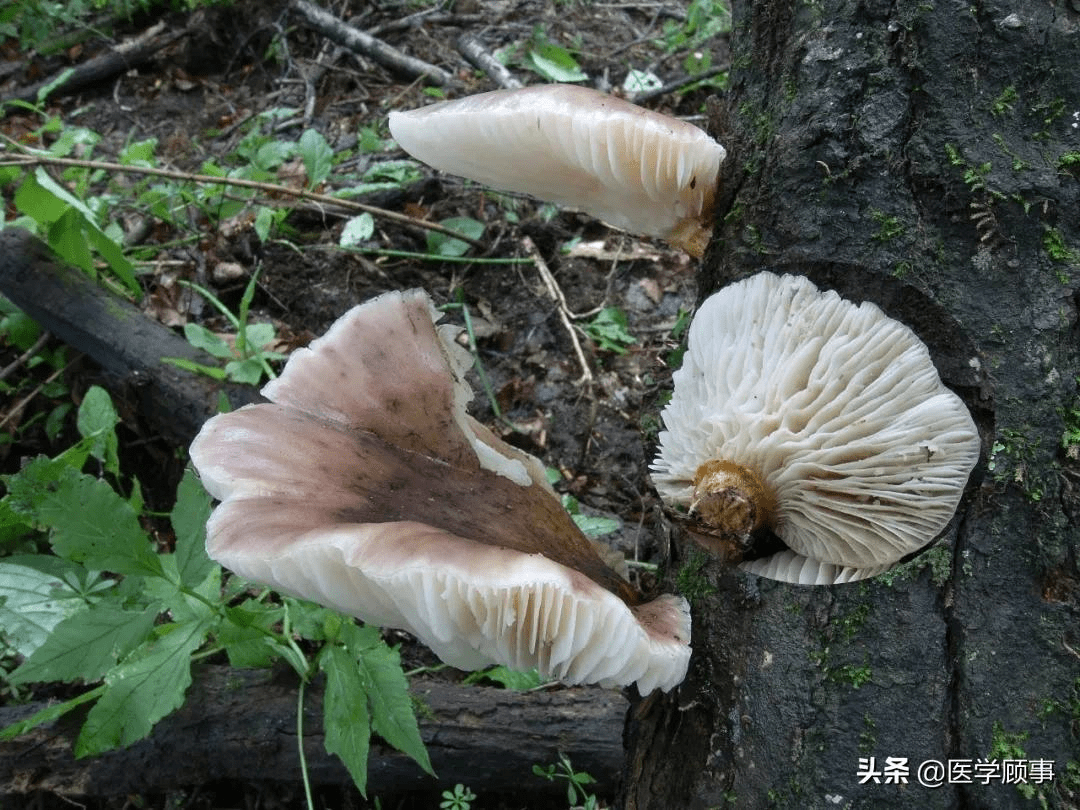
(822,421)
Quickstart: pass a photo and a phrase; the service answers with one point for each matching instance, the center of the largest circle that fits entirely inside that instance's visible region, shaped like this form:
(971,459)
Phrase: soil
(593,418)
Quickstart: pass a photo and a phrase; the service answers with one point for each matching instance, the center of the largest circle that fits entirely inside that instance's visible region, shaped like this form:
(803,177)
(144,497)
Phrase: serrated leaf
(34,599)
(91,524)
(86,644)
(392,716)
(245,634)
(357,229)
(317,154)
(140,691)
(97,421)
(188,518)
(346,721)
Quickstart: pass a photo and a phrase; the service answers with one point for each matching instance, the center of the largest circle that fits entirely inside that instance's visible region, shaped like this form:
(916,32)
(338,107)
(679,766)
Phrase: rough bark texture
(483,736)
(913,154)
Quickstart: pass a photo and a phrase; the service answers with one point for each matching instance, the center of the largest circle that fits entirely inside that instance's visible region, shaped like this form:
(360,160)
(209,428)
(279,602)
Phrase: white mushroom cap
(366,487)
(836,408)
(633,168)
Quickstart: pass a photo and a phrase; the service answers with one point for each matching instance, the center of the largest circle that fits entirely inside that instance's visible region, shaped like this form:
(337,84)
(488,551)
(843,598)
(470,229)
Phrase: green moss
(691,581)
(1055,247)
(938,558)
(888,227)
(1004,101)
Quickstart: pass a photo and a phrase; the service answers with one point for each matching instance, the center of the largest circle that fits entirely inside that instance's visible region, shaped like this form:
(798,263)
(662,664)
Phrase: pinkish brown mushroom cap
(365,486)
(636,169)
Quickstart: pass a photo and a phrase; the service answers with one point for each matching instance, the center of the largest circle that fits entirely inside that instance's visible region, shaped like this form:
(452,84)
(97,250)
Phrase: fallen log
(123,57)
(127,344)
(241,725)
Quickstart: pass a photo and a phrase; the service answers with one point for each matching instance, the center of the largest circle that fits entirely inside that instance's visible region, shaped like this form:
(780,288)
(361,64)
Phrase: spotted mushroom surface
(636,169)
(365,486)
(836,409)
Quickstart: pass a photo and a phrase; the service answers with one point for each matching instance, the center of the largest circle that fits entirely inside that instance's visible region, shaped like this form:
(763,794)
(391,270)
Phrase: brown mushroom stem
(730,500)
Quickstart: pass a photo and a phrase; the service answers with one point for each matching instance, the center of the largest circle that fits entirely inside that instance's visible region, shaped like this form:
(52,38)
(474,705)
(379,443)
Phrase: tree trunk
(924,156)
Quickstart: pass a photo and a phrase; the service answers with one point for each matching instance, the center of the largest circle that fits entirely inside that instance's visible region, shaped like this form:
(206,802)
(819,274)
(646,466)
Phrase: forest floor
(251,75)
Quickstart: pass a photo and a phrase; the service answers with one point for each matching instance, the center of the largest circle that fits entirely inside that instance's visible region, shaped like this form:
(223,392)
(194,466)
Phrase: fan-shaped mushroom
(823,421)
(634,168)
(366,487)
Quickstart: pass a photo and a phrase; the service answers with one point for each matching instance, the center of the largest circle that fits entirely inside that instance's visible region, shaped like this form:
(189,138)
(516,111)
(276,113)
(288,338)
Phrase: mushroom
(364,485)
(634,168)
(823,422)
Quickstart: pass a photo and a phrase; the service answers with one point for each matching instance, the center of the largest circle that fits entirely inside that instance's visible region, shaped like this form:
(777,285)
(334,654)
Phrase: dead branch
(123,57)
(479,56)
(241,724)
(128,345)
(35,158)
(366,45)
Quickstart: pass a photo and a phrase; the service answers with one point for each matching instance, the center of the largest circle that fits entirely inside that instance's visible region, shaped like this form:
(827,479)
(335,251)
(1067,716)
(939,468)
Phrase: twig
(564,311)
(678,84)
(359,42)
(123,57)
(474,51)
(33,159)
(10,368)
(17,408)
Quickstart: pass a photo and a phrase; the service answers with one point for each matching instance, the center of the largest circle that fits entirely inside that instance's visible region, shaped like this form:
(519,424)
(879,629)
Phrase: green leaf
(49,714)
(346,722)
(150,684)
(507,678)
(246,635)
(264,221)
(594,526)
(188,517)
(140,153)
(34,599)
(440,244)
(387,689)
(97,421)
(609,330)
(318,156)
(554,63)
(91,524)
(202,338)
(86,645)
(246,372)
(195,368)
(357,229)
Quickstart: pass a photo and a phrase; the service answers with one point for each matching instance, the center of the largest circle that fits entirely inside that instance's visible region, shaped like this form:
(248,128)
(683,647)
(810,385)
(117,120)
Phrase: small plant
(248,357)
(888,227)
(1004,101)
(164,605)
(608,329)
(576,793)
(460,798)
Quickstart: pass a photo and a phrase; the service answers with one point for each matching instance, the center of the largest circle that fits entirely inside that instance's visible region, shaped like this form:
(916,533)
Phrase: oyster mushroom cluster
(364,485)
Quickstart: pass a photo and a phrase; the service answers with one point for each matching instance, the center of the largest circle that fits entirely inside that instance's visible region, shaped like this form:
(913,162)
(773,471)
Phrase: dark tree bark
(485,737)
(916,155)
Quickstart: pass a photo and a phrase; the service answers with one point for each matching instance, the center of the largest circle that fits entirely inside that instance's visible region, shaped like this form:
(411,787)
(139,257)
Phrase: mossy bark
(923,156)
